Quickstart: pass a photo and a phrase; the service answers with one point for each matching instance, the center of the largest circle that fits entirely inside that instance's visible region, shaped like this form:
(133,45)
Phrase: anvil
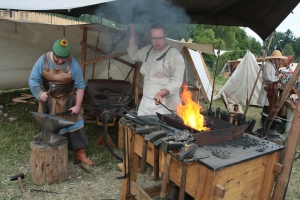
(50,126)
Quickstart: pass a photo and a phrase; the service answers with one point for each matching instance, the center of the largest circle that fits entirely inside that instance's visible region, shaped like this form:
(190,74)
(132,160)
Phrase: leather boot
(80,155)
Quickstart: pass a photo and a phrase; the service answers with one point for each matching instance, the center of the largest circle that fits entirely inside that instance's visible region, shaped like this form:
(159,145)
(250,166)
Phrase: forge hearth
(222,131)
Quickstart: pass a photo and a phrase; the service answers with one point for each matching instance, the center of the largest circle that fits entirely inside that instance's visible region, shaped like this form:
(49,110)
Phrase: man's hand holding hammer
(45,95)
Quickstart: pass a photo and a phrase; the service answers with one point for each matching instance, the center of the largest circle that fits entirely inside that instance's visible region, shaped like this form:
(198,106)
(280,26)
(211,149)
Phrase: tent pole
(213,88)
(260,69)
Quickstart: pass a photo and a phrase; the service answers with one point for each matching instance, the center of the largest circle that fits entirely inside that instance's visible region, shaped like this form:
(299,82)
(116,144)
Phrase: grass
(100,183)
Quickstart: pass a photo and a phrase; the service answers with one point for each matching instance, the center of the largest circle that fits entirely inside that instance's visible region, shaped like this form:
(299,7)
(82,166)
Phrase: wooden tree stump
(48,164)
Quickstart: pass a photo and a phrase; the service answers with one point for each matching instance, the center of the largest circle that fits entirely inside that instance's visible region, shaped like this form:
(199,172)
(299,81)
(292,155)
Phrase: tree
(288,50)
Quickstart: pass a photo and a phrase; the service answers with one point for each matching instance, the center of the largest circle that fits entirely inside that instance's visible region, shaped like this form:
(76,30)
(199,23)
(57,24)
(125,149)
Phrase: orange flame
(189,111)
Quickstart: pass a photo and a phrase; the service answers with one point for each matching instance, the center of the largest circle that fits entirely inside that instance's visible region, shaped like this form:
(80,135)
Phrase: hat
(61,48)
(277,54)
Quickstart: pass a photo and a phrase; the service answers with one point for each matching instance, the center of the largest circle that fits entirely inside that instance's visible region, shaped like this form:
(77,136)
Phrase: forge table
(248,173)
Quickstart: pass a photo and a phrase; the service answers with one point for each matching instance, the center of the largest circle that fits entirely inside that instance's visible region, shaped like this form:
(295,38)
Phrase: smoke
(143,11)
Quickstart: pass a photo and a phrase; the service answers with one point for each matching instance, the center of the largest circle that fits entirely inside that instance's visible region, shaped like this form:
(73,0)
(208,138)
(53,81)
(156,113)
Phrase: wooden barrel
(49,164)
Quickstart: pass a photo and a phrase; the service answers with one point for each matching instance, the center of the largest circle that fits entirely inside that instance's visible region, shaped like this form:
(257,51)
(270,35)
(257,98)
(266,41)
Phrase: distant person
(60,68)
(162,70)
(271,76)
(269,91)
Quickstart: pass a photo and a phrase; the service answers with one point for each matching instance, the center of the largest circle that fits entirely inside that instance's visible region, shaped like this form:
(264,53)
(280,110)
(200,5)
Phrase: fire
(189,111)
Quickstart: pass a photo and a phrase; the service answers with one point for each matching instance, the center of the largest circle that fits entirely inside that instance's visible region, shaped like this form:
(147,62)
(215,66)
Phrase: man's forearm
(79,97)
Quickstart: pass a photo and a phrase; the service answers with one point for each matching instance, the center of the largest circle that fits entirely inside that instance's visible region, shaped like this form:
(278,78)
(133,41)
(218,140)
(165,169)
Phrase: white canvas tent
(240,84)
(21,43)
(195,67)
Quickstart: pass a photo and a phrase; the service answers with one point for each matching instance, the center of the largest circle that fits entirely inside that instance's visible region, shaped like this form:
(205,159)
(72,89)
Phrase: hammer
(19,177)
(51,88)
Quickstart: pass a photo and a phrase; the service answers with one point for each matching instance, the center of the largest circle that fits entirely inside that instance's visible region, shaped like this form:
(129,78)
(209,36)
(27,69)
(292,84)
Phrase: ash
(245,142)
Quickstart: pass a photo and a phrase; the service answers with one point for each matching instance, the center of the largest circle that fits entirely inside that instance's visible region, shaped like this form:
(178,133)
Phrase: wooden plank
(120,135)
(219,191)
(131,162)
(138,147)
(175,174)
(269,175)
(101,28)
(102,58)
(278,167)
(289,155)
(136,83)
(138,192)
(204,183)
(105,53)
(154,191)
(244,180)
(165,178)
(83,50)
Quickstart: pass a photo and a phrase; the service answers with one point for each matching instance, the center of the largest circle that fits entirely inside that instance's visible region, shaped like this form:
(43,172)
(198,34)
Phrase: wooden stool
(49,164)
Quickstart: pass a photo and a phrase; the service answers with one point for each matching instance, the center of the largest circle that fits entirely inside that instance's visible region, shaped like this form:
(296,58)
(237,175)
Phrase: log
(48,164)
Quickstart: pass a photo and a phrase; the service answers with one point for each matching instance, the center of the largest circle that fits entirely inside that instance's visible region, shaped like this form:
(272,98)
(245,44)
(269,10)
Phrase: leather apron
(63,97)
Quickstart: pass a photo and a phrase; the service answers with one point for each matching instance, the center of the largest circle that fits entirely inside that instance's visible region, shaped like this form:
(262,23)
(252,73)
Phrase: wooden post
(136,83)
(48,164)
(288,157)
(95,55)
(213,87)
(130,163)
(83,50)
(260,69)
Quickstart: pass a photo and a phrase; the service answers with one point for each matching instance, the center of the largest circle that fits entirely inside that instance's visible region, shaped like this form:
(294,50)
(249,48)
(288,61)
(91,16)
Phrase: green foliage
(288,50)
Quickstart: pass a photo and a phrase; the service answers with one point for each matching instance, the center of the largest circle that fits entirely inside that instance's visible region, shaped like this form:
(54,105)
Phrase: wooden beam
(154,191)
(288,156)
(138,192)
(102,58)
(220,191)
(278,167)
(287,89)
(101,28)
(105,53)
(135,83)
(83,50)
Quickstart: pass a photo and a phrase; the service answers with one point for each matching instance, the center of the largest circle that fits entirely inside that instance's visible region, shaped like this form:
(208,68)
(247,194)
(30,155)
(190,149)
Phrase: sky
(290,22)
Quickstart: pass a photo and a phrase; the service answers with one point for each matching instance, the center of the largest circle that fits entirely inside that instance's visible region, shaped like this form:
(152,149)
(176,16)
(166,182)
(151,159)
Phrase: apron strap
(162,56)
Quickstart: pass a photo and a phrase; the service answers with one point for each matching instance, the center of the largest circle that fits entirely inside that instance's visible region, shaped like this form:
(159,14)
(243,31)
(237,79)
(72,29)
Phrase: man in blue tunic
(58,67)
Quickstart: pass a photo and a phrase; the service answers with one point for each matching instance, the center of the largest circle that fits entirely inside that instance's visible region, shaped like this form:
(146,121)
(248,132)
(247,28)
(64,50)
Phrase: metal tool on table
(50,126)
(51,88)
(152,123)
(167,144)
(19,177)
(152,137)
(141,126)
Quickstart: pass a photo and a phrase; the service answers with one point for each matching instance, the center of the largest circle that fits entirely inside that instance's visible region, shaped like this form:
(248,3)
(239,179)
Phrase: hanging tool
(151,137)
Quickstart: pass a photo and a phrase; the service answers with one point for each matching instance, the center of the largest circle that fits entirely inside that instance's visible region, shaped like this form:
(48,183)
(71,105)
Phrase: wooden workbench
(246,174)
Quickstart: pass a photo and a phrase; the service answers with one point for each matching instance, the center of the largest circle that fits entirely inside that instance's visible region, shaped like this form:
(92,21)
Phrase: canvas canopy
(21,44)
(241,82)
(261,16)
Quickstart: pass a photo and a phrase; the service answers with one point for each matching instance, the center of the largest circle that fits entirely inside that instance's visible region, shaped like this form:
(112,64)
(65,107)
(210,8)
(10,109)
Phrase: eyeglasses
(157,38)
